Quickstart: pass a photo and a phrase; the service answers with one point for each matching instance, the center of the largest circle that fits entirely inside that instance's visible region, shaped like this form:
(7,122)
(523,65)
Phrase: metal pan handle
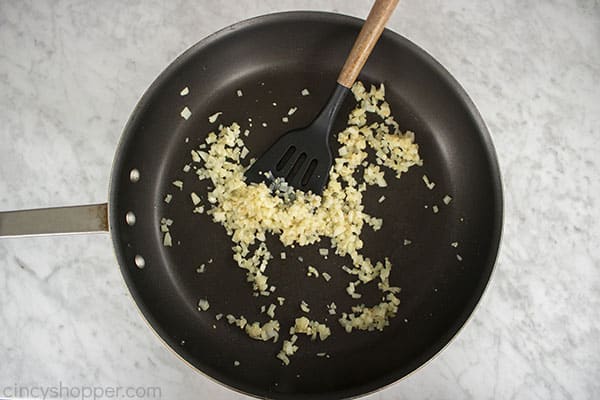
(54,221)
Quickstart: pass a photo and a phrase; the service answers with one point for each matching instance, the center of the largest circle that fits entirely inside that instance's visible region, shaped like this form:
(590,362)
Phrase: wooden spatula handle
(369,34)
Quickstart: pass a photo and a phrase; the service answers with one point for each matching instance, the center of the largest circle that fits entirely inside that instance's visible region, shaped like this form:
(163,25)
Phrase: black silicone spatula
(303,157)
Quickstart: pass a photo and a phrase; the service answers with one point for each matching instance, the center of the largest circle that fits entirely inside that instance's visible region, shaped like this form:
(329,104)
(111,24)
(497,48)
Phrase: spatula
(303,157)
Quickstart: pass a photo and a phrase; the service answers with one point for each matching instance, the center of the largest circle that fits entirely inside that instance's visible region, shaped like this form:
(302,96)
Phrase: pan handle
(53,221)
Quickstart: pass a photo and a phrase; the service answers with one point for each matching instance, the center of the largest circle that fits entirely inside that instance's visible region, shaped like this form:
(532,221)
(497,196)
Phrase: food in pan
(250,212)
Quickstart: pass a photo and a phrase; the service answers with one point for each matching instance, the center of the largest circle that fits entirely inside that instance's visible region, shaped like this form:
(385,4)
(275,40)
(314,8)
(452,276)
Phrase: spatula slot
(309,171)
(296,168)
(286,157)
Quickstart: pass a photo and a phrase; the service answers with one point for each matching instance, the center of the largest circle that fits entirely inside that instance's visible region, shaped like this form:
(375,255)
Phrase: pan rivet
(130,218)
(139,261)
(134,175)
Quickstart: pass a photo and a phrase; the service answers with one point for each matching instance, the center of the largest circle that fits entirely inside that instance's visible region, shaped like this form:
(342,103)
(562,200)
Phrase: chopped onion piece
(167,241)
(203,305)
(195,198)
(185,113)
(213,118)
(304,307)
(430,185)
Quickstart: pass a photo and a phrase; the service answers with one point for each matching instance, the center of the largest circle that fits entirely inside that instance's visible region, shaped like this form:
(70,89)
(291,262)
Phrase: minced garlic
(249,212)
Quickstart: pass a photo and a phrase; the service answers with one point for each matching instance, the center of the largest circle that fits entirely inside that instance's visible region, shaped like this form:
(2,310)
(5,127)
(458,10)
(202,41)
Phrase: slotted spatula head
(302,157)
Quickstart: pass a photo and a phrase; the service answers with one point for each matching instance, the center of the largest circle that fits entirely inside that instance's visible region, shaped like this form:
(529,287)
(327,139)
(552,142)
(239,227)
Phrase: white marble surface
(72,71)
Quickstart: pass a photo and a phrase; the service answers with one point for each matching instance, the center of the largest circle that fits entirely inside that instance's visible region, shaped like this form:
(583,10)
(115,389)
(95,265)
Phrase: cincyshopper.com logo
(81,392)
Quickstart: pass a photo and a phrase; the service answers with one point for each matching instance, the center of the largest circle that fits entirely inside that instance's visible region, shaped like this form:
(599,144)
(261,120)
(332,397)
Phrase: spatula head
(302,157)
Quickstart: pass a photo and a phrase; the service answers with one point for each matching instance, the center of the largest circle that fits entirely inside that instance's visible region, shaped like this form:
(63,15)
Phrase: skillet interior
(271,59)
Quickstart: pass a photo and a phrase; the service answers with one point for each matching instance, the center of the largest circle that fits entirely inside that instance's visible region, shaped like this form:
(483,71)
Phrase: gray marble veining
(71,72)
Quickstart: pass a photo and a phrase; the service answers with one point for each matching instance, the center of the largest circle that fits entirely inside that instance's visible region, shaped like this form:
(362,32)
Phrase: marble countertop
(72,71)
